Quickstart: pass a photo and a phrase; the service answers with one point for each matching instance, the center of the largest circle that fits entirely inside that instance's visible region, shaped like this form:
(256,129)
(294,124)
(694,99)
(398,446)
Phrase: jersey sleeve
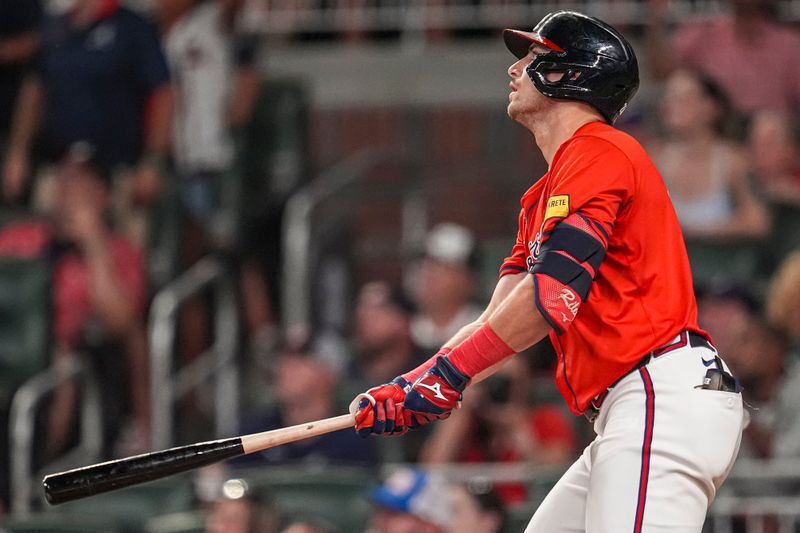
(592,182)
(516,262)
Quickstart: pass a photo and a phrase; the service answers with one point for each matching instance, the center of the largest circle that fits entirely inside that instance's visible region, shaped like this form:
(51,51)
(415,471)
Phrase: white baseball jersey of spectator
(200,54)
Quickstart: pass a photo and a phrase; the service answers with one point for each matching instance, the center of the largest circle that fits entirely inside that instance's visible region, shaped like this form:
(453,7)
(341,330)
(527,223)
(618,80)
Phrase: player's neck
(558,124)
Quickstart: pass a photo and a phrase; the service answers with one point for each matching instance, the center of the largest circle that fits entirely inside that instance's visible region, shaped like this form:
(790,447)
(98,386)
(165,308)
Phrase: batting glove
(386,416)
(434,394)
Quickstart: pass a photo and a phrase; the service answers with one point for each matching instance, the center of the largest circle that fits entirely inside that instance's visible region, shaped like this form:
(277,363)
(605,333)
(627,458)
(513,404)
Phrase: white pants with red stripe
(662,450)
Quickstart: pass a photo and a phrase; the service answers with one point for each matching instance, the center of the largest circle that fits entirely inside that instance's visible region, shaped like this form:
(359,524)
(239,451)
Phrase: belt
(684,338)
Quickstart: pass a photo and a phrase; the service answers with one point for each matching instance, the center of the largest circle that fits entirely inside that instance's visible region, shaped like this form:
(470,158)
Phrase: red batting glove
(435,394)
(386,416)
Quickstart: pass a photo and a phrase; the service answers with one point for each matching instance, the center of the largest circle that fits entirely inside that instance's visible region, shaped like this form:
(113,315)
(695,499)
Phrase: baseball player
(599,264)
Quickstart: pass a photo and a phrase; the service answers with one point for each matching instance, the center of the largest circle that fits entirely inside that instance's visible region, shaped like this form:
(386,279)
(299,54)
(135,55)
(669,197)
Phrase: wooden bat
(112,475)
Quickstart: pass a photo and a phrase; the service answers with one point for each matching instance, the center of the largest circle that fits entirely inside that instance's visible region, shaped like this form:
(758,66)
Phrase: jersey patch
(557,207)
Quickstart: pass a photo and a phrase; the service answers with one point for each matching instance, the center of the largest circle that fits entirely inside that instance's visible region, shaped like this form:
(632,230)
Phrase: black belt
(716,378)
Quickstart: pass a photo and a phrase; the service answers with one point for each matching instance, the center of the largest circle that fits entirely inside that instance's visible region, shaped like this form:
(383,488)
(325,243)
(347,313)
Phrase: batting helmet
(598,64)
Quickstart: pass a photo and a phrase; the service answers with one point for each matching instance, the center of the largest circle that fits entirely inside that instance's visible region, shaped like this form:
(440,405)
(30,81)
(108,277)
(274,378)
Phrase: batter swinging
(599,264)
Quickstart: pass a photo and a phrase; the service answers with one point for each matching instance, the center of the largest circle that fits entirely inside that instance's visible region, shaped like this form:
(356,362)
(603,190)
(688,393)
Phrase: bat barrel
(112,475)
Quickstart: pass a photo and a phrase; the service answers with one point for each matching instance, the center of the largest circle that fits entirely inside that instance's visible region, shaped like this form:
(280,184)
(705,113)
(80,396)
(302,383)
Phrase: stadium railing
(413,17)
(168,386)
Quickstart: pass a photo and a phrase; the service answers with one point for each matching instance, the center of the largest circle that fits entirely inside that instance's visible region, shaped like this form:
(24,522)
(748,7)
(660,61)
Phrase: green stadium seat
(25,322)
(60,523)
(732,261)
(14,214)
(334,495)
(185,522)
(785,230)
(132,507)
(518,518)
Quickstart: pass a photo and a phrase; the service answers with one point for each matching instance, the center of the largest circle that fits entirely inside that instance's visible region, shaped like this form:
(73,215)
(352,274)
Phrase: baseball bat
(119,473)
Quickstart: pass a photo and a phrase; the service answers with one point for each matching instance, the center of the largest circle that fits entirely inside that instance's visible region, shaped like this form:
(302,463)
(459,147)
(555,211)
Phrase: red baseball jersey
(642,294)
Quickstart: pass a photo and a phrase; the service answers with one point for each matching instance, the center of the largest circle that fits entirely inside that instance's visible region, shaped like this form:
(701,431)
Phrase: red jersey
(642,294)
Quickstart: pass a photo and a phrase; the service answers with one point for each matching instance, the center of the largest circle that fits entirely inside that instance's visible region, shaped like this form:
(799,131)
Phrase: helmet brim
(519,42)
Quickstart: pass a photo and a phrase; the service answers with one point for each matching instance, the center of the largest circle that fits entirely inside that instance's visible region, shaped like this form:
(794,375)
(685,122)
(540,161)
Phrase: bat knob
(357,400)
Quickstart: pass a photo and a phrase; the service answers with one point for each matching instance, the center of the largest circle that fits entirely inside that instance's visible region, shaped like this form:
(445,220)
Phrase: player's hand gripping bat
(119,473)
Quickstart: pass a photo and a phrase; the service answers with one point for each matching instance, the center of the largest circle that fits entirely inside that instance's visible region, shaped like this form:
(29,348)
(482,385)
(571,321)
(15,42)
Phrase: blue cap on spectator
(423,494)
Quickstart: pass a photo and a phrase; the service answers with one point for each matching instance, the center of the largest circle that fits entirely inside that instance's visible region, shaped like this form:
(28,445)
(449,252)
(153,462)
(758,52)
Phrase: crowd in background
(99,104)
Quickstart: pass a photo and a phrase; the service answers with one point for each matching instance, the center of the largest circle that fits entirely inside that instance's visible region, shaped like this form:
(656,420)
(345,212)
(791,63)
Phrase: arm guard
(565,268)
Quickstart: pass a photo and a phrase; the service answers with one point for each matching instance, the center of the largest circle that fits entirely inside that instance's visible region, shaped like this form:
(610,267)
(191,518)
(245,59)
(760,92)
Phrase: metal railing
(413,17)
(168,386)
(298,227)
(24,405)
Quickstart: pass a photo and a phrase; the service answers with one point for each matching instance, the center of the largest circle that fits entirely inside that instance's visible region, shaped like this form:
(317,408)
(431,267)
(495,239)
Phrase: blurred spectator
(725,311)
(411,501)
(445,286)
(775,155)
(704,172)
(19,39)
(476,509)
(758,353)
(240,510)
(739,49)
(783,312)
(215,84)
(305,383)
(496,424)
(783,301)
(758,361)
(382,334)
(100,77)
(99,293)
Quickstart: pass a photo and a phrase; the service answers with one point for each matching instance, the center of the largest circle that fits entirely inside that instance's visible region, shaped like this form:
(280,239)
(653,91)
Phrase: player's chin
(513,110)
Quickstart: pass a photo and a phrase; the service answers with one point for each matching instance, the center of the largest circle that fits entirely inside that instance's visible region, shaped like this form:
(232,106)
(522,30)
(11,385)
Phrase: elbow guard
(566,266)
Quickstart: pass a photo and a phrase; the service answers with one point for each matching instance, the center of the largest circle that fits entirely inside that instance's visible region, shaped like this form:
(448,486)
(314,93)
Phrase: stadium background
(375,122)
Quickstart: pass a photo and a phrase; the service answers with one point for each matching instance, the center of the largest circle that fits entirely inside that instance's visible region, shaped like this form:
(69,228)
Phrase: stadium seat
(785,230)
(184,522)
(131,508)
(14,214)
(334,495)
(60,523)
(24,322)
(731,261)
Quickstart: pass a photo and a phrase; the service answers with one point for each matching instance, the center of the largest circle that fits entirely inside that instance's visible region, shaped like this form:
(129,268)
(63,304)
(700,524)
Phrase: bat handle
(269,439)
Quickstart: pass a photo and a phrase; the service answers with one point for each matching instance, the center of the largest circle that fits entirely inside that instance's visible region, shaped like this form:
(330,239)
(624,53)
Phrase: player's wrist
(481,350)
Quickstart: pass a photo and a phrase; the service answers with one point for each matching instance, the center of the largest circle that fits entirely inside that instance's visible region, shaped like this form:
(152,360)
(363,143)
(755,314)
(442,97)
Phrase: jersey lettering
(570,300)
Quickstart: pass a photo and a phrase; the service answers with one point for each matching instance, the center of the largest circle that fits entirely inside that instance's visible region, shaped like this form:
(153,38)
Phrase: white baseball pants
(662,450)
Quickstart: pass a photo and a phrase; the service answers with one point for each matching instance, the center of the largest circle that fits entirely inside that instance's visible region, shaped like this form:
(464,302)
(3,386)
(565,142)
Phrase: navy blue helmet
(598,65)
